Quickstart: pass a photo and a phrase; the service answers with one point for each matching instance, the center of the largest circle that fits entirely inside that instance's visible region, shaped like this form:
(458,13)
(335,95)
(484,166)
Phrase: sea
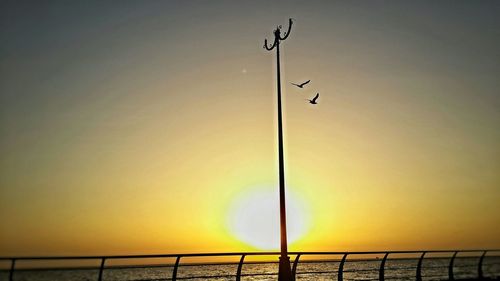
(364,270)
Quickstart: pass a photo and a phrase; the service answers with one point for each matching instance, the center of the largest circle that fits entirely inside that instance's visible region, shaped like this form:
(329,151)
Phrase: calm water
(433,269)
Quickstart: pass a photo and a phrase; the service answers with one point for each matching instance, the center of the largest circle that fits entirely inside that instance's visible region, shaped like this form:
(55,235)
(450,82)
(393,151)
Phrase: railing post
(381,276)
(101,269)
(174,273)
(419,267)
(240,265)
(340,274)
(12,268)
(450,268)
(480,266)
(294,268)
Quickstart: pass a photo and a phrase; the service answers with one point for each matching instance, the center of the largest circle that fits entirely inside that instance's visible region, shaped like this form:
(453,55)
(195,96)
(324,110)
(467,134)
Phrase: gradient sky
(135,126)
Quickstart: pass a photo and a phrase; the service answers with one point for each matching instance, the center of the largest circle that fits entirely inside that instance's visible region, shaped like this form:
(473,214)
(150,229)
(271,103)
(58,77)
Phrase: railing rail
(481,254)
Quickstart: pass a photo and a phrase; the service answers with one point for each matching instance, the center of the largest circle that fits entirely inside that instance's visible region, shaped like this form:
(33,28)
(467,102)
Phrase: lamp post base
(285,271)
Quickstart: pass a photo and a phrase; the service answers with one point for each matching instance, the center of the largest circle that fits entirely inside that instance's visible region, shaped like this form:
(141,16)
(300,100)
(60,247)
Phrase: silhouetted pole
(285,272)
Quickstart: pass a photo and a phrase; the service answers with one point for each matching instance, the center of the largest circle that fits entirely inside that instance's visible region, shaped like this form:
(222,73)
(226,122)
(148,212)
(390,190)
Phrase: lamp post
(284,272)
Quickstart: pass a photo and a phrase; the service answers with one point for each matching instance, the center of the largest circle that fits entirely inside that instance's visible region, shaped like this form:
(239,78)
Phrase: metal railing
(480,254)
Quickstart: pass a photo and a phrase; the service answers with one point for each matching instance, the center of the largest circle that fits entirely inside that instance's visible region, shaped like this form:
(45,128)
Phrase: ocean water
(396,269)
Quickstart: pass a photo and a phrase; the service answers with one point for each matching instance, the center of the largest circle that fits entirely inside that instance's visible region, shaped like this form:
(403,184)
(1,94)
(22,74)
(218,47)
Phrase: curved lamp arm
(287,33)
(272,46)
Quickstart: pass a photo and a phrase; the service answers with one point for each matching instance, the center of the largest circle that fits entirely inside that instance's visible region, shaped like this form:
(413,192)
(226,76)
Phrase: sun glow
(253,218)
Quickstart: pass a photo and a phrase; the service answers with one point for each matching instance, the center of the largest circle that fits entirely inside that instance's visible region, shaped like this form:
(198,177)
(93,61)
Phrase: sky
(136,127)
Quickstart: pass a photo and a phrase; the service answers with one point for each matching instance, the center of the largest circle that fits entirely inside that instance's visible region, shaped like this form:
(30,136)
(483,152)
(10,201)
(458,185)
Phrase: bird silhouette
(313,101)
(302,84)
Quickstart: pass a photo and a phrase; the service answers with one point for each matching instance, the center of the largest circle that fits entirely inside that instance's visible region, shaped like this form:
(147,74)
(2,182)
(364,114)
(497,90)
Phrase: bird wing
(307,82)
(316,97)
(295,84)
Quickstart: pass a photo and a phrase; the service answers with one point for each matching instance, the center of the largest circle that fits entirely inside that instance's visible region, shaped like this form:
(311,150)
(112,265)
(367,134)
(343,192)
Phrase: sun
(253,218)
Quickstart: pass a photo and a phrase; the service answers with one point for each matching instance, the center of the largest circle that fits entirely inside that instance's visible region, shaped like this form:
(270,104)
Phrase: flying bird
(313,101)
(301,85)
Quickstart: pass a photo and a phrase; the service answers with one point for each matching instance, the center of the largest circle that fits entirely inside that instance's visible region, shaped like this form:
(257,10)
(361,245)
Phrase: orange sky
(142,128)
